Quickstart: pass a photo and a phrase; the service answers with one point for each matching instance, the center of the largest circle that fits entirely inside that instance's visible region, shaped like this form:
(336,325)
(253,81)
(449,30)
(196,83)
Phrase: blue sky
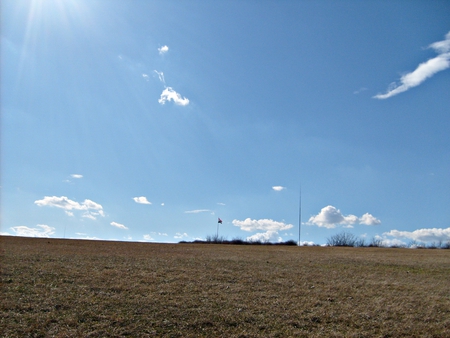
(149,120)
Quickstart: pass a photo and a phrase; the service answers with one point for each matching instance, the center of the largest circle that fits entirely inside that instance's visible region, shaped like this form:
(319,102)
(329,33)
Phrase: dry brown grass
(68,288)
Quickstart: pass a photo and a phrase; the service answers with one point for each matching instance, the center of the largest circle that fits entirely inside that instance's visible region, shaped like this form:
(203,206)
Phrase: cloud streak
(424,71)
(278,188)
(196,211)
(261,224)
(330,217)
(118,225)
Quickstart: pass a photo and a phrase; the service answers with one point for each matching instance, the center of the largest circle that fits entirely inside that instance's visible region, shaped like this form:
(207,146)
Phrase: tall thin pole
(300,215)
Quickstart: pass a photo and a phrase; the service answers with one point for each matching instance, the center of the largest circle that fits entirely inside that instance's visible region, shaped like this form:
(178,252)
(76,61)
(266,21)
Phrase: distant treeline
(238,241)
(344,239)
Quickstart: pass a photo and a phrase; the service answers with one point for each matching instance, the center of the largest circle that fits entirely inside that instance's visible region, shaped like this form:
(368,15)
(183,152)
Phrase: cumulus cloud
(180,235)
(118,225)
(261,224)
(422,235)
(268,236)
(41,230)
(169,94)
(423,71)
(141,200)
(329,217)
(278,188)
(76,176)
(196,211)
(162,50)
(91,208)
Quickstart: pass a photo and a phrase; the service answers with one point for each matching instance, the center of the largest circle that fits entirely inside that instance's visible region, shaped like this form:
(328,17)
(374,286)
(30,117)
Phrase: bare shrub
(342,239)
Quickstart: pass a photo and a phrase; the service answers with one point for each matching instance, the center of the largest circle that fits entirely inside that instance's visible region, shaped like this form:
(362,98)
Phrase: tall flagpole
(300,215)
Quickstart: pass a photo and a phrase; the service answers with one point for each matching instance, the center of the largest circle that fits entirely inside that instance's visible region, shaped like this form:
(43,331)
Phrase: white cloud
(368,219)
(220,203)
(268,236)
(118,225)
(261,224)
(76,176)
(179,235)
(169,94)
(422,235)
(162,50)
(69,213)
(196,211)
(141,200)
(65,203)
(146,77)
(329,217)
(423,71)
(41,230)
(148,238)
(278,188)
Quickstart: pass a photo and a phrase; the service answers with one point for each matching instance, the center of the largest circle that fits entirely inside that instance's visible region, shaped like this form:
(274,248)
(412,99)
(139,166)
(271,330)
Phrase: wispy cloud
(261,224)
(423,71)
(330,217)
(146,77)
(161,77)
(141,200)
(180,235)
(91,208)
(118,225)
(76,176)
(162,50)
(360,90)
(41,230)
(169,94)
(196,211)
(147,237)
(278,188)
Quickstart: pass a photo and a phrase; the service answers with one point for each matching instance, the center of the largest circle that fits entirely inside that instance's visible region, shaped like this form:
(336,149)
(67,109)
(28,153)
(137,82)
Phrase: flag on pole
(219,221)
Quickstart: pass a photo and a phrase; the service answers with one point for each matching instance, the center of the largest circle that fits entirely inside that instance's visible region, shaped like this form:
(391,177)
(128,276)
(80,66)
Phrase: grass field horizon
(85,288)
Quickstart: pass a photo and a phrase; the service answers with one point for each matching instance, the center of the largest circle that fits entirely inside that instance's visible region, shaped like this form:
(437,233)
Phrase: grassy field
(74,288)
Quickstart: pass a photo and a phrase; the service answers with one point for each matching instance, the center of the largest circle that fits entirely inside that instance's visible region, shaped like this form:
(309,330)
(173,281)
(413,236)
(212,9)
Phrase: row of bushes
(238,241)
(350,240)
(343,239)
